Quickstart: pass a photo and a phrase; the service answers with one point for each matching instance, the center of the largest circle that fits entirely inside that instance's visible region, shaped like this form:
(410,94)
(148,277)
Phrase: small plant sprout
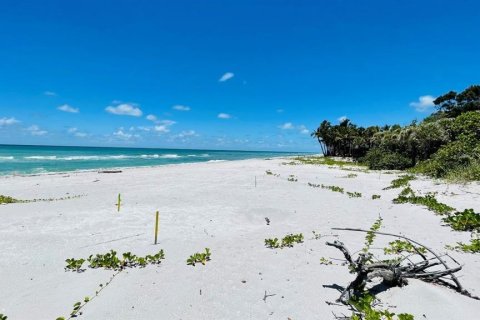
(199,257)
(269,173)
(376,196)
(292,178)
(370,237)
(74,265)
(316,236)
(325,261)
(272,243)
(354,194)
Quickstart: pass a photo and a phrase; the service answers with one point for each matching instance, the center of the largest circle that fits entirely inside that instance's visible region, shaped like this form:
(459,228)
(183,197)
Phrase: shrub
(7,199)
(466,220)
(364,303)
(382,159)
(472,247)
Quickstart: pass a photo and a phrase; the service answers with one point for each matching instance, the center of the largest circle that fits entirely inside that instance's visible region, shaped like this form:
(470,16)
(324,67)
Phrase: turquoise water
(43,159)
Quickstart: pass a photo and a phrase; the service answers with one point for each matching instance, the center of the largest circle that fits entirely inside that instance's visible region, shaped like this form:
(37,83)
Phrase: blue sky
(250,75)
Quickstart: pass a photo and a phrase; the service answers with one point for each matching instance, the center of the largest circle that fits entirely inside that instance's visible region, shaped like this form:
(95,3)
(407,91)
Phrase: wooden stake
(156,227)
(118,203)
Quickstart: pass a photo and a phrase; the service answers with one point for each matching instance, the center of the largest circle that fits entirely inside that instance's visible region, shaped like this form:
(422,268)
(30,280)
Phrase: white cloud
(423,104)
(286,126)
(224,116)
(342,118)
(36,131)
(180,107)
(67,108)
(226,76)
(303,129)
(50,93)
(188,133)
(80,134)
(125,109)
(162,129)
(152,117)
(8,121)
(123,135)
(72,130)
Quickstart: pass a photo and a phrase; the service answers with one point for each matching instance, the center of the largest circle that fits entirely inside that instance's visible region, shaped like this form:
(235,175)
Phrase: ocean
(15,159)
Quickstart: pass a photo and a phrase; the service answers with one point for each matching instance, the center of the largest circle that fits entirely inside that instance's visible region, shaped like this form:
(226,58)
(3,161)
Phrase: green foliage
(376,196)
(269,173)
(316,160)
(472,247)
(466,220)
(111,261)
(3,317)
(351,175)
(199,257)
(288,241)
(316,235)
(363,304)
(354,194)
(401,181)
(399,246)
(370,237)
(333,188)
(408,196)
(7,199)
(74,264)
(292,178)
(325,261)
(383,159)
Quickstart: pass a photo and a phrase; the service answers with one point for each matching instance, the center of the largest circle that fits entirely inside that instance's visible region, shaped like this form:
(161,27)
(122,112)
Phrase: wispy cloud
(423,104)
(162,128)
(77,133)
(180,107)
(8,121)
(67,108)
(50,93)
(36,131)
(226,76)
(224,116)
(121,134)
(151,117)
(125,109)
(186,134)
(303,129)
(286,126)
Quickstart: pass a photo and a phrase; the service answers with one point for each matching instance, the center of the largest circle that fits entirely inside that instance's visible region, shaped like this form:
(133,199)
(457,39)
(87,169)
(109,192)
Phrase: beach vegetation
(408,196)
(443,145)
(316,235)
(354,194)
(399,246)
(371,235)
(287,241)
(111,261)
(402,181)
(376,196)
(364,306)
(472,247)
(351,175)
(466,220)
(325,261)
(7,199)
(3,317)
(292,178)
(199,257)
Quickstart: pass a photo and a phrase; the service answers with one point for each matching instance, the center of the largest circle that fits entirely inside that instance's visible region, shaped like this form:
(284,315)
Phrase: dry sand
(214,205)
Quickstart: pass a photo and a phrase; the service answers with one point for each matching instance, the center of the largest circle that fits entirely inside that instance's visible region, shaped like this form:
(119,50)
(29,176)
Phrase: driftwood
(396,272)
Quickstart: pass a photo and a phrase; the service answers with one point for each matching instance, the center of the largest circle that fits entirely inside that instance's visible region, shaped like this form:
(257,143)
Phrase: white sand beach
(216,205)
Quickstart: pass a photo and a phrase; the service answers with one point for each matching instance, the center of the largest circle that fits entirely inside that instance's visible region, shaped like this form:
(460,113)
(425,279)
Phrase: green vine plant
(354,194)
(363,306)
(402,181)
(3,317)
(376,196)
(466,220)
(325,261)
(370,237)
(287,242)
(399,246)
(199,257)
(472,247)
(407,195)
(111,261)
(8,200)
(270,173)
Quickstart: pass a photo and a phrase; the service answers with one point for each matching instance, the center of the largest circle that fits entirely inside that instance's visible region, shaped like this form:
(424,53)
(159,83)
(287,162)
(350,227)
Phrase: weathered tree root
(396,273)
